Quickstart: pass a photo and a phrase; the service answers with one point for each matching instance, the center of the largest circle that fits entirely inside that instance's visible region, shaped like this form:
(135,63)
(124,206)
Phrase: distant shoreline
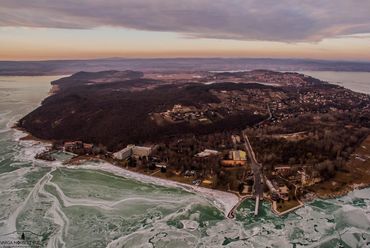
(57,67)
(342,79)
(352,80)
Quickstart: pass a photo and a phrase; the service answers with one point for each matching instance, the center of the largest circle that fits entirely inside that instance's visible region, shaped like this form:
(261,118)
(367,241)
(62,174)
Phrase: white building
(132,151)
(207,153)
(141,151)
(124,153)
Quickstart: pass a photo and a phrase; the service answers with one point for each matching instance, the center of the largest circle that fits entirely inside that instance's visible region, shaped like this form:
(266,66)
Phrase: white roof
(207,152)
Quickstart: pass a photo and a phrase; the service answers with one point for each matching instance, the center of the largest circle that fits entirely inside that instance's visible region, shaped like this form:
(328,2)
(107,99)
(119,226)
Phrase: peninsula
(282,137)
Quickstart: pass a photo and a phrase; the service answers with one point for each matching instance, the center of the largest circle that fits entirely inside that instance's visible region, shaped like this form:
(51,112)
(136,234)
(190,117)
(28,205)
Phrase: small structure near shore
(78,147)
(46,155)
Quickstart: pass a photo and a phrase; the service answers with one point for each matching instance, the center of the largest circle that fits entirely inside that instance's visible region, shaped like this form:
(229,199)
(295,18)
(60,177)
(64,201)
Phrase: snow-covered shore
(224,201)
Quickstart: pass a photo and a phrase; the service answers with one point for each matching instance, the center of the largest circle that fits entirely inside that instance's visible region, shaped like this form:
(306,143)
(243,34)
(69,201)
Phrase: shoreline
(342,193)
(223,200)
(226,202)
(354,175)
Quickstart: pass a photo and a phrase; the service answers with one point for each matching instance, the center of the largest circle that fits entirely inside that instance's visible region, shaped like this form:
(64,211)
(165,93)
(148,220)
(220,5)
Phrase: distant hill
(101,77)
(60,67)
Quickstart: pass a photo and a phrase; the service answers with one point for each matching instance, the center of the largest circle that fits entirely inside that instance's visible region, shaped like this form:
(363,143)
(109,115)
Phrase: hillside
(114,109)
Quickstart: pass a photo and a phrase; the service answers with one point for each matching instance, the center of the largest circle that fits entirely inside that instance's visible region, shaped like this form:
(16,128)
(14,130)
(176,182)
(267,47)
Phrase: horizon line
(186,58)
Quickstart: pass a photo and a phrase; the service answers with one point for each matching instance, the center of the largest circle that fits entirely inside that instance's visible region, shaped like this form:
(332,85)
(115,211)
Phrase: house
(88,148)
(283,170)
(247,189)
(235,139)
(309,178)
(189,173)
(74,147)
(207,153)
(284,192)
(161,165)
(197,182)
(203,120)
(207,182)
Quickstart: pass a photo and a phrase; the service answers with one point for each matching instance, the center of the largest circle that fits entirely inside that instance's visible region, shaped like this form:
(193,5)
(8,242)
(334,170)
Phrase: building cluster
(78,147)
(235,101)
(278,189)
(318,101)
(180,113)
(284,179)
(309,178)
(273,78)
(281,79)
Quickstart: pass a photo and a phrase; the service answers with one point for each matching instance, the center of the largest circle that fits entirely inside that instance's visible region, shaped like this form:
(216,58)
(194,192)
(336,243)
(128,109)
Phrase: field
(286,205)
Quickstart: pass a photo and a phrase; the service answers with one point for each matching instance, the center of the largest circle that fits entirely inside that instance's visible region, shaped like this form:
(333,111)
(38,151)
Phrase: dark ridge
(102,77)
(111,114)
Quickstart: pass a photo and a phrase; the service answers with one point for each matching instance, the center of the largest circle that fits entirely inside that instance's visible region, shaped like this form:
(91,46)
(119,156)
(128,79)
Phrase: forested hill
(89,78)
(113,108)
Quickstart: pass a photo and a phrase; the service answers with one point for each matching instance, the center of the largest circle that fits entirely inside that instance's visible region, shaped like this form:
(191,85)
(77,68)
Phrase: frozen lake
(58,206)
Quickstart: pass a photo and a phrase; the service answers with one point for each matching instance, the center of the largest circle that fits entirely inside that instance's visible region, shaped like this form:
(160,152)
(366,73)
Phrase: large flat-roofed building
(133,151)
(124,153)
(236,158)
(141,151)
(238,155)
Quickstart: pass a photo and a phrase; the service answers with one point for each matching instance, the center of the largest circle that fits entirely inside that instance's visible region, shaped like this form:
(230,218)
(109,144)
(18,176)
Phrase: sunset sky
(70,29)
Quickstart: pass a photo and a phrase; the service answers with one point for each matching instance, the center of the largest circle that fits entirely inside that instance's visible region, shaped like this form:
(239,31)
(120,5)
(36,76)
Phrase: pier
(257,205)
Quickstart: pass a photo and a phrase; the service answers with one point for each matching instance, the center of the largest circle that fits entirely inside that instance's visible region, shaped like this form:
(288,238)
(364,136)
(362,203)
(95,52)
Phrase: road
(268,118)
(258,185)
(256,167)
(257,174)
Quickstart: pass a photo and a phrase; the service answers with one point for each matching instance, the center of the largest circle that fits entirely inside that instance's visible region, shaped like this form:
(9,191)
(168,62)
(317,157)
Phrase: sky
(70,29)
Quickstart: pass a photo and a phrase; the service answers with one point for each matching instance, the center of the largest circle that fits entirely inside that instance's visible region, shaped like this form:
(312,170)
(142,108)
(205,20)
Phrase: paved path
(256,167)
(257,172)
